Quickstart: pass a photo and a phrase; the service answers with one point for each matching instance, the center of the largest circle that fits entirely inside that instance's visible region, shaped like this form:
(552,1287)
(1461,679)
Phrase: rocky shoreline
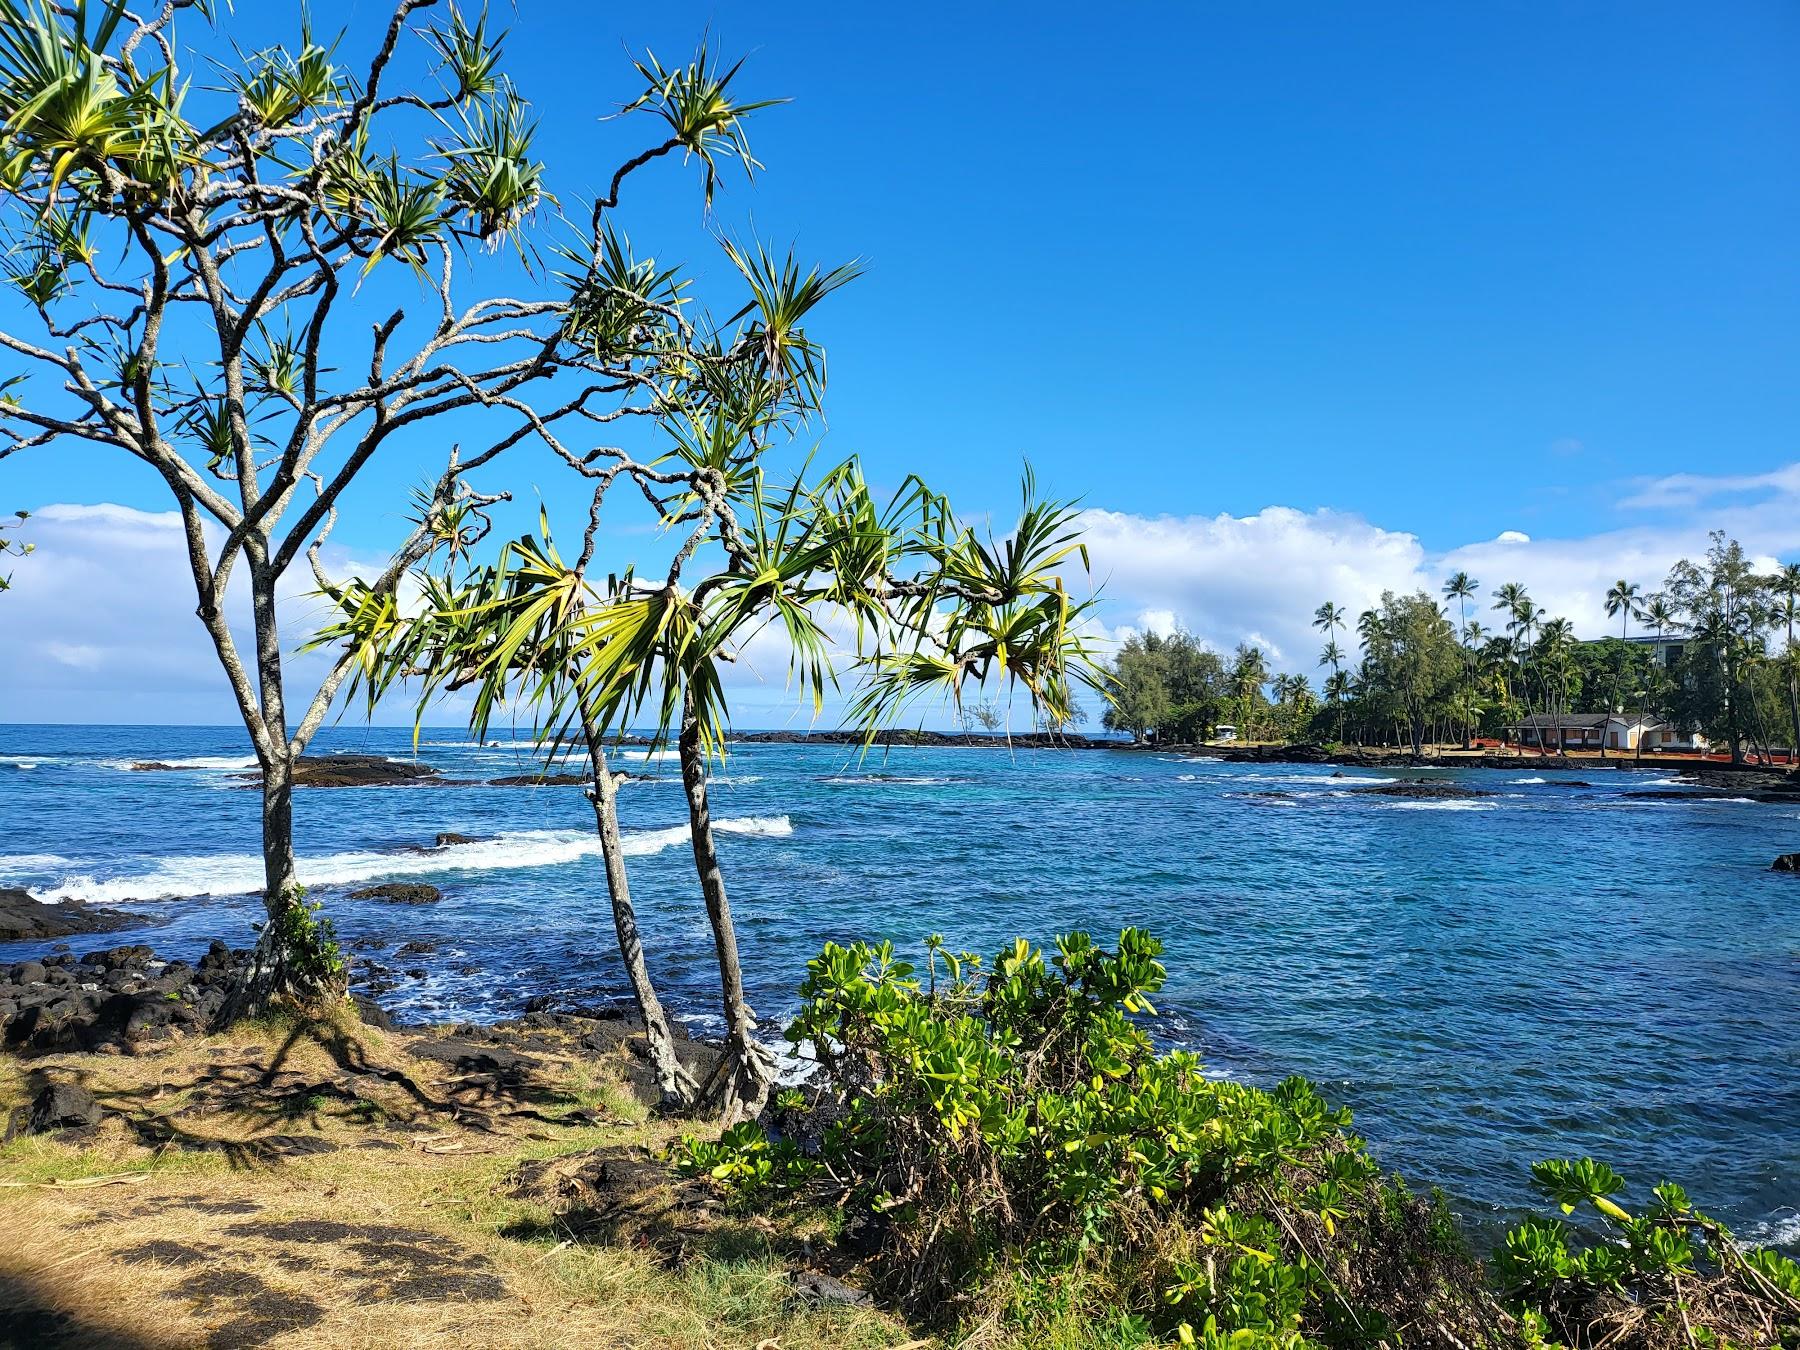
(25,919)
(128,1001)
(899,737)
(1754,784)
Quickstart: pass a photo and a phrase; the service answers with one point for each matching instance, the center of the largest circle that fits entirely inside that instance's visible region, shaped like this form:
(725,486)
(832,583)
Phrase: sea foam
(198,763)
(1441,806)
(1776,1231)
(241,873)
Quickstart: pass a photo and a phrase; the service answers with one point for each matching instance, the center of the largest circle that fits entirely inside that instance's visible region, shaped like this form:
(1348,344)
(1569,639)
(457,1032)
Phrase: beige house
(1596,731)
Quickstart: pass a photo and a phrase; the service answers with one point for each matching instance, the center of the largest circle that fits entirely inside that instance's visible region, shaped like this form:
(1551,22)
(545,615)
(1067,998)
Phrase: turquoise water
(1552,969)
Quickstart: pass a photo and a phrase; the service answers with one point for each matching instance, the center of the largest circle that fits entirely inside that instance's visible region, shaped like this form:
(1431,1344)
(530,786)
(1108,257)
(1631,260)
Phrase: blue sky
(1438,272)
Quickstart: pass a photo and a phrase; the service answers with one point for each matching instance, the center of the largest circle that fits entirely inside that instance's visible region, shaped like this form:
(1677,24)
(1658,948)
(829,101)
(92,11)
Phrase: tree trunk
(740,1082)
(295,960)
(676,1085)
(1793,658)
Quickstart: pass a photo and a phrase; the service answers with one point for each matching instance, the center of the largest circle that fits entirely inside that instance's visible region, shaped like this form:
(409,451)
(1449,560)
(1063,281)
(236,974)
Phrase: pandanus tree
(260,290)
(927,606)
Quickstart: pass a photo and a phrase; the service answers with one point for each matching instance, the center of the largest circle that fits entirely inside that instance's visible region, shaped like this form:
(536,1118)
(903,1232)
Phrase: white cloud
(1259,578)
(100,625)
(1230,579)
(1679,491)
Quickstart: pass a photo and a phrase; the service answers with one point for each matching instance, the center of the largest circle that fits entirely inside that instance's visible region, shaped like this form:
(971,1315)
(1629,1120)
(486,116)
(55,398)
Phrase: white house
(1594,731)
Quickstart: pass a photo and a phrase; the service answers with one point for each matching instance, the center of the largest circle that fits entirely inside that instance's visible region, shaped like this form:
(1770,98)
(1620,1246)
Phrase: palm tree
(1369,628)
(1555,671)
(1621,604)
(1510,599)
(1249,673)
(1328,618)
(1333,656)
(1461,588)
(1785,586)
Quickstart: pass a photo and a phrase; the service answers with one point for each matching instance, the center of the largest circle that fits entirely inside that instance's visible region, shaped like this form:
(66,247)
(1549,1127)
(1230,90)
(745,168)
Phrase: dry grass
(320,1185)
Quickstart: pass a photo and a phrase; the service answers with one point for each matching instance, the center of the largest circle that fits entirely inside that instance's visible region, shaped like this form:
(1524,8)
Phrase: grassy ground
(332,1185)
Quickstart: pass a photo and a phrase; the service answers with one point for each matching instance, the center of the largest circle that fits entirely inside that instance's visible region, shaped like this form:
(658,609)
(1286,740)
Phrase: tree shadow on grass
(485,1087)
(31,1316)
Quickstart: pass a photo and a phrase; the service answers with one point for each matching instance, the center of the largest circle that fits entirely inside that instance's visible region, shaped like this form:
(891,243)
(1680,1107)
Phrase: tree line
(1418,669)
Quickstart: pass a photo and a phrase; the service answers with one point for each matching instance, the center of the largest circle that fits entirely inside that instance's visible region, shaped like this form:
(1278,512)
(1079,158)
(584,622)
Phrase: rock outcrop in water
(1787,862)
(25,919)
(333,771)
(1425,789)
(400,893)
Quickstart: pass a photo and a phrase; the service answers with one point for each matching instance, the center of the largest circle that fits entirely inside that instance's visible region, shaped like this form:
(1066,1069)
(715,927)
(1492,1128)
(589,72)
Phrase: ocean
(1550,970)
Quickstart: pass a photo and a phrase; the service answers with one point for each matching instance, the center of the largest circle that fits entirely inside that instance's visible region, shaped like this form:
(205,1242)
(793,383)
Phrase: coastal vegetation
(1021,1164)
(995,1148)
(1725,662)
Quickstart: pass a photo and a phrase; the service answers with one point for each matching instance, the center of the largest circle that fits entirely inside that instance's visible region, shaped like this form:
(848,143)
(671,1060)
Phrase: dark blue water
(1549,970)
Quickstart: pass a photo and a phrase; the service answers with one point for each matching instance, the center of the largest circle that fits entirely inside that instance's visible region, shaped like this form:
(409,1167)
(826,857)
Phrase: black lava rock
(23,918)
(400,893)
(58,1106)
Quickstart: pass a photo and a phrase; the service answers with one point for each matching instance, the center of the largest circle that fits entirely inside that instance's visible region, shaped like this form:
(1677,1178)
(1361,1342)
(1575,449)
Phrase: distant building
(1665,649)
(1225,731)
(1595,731)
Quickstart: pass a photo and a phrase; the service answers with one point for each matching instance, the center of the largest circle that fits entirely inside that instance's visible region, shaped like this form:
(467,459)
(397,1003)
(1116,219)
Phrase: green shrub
(1022,1149)
(1672,1276)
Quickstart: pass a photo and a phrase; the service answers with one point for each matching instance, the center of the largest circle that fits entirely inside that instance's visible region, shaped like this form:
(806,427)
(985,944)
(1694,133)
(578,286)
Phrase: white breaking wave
(1441,806)
(1779,1232)
(1338,778)
(236,763)
(241,873)
(885,780)
(1521,782)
